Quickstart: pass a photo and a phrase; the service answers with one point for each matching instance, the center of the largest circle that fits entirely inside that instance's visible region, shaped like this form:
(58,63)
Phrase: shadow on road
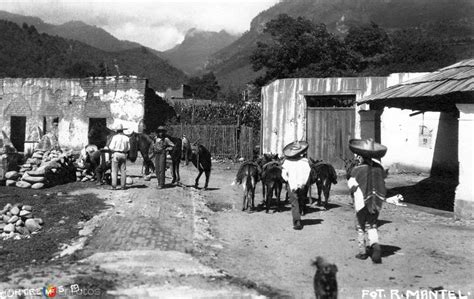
(311,221)
(137,186)
(382,222)
(388,250)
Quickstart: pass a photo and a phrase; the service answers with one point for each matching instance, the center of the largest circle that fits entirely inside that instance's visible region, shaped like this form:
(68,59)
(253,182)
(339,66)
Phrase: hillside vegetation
(450,22)
(26,53)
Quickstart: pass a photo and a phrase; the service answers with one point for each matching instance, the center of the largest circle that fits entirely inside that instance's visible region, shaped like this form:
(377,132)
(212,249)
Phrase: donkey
(201,159)
(261,162)
(272,182)
(323,175)
(144,142)
(248,175)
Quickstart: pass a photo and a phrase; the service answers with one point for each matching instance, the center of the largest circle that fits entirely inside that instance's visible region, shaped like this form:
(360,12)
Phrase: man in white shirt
(296,171)
(119,146)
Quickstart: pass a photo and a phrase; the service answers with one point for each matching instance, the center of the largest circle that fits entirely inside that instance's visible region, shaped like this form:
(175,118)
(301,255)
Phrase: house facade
(30,107)
(323,111)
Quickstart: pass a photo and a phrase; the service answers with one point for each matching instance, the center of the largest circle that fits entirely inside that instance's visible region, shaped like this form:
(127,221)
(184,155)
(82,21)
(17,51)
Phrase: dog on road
(324,282)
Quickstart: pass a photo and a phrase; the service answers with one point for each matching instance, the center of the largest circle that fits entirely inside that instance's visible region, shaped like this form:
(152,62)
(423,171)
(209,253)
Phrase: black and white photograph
(237,149)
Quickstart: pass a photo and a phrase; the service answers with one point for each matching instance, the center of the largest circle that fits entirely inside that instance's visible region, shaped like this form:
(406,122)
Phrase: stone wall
(120,100)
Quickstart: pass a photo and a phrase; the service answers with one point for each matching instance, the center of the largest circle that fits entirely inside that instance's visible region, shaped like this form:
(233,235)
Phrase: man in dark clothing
(367,184)
(159,151)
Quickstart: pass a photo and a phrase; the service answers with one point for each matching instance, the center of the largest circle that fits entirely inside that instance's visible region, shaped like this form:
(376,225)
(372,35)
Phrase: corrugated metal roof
(456,78)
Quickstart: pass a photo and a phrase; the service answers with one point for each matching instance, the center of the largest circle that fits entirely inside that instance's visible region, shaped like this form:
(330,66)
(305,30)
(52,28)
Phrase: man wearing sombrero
(119,146)
(367,184)
(159,150)
(296,171)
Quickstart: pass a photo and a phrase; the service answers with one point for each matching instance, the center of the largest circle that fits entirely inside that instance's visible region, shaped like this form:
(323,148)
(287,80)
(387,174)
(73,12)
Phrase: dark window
(330,101)
(97,131)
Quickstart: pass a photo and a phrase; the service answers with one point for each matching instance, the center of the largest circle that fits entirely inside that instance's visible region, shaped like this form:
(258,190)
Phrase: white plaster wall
(127,108)
(400,133)
(68,99)
(73,132)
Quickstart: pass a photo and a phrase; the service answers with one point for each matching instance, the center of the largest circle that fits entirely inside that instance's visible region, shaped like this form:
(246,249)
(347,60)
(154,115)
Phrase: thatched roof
(436,91)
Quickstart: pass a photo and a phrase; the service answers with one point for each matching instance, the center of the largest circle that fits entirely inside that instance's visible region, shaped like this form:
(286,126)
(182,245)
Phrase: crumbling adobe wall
(73,101)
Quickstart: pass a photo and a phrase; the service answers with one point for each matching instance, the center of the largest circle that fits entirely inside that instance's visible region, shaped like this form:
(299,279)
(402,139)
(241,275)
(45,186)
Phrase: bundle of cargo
(44,169)
(17,220)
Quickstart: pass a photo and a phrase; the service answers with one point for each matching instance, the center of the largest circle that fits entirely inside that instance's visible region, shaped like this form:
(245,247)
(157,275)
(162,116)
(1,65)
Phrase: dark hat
(295,148)
(120,128)
(367,148)
(161,128)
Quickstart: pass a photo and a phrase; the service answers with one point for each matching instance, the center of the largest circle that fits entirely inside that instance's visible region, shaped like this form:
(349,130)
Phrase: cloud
(159,24)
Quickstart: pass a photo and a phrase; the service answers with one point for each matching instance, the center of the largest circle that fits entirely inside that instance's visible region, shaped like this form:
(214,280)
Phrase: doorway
(97,129)
(17,132)
(330,126)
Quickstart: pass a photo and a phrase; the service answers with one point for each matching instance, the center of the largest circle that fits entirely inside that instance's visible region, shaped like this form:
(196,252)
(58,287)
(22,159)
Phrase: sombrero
(295,148)
(367,148)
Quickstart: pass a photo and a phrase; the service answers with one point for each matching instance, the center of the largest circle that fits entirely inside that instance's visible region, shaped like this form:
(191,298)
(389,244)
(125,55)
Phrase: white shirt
(358,195)
(296,172)
(119,143)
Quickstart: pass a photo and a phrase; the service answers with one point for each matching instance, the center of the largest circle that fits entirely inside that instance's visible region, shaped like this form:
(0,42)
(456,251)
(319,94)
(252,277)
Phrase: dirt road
(181,242)
(421,251)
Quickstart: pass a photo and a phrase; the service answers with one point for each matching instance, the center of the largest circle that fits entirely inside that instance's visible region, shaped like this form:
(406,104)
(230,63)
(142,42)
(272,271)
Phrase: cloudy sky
(159,24)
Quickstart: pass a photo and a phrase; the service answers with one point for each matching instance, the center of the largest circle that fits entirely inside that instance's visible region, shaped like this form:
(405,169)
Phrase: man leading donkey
(296,171)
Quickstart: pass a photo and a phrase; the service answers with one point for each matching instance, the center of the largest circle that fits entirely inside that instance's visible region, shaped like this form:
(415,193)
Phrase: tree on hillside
(369,40)
(296,48)
(414,50)
(205,87)
(370,44)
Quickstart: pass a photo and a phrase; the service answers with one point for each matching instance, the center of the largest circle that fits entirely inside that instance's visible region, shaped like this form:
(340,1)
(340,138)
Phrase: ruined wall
(73,102)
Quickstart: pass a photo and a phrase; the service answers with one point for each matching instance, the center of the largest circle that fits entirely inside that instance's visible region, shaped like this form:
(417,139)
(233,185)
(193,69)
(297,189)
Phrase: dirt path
(422,251)
(188,243)
(145,245)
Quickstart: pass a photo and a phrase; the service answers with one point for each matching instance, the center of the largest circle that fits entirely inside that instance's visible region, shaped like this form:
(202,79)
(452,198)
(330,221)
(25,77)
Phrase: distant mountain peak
(193,53)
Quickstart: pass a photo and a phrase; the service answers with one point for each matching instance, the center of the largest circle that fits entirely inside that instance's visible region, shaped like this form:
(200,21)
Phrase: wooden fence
(223,141)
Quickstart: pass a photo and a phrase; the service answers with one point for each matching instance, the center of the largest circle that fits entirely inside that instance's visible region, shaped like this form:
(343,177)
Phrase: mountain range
(25,52)
(228,56)
(91,35)
(190,56)
(451,20)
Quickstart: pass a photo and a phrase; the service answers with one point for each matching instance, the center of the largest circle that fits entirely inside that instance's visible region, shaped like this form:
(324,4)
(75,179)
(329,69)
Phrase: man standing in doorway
(159,151)
(119,146)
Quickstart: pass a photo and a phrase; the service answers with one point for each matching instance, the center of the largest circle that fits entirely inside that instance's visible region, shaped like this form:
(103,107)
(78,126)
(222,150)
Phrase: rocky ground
(188,243)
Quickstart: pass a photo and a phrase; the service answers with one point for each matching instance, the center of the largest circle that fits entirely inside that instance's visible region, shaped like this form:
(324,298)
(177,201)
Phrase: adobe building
(323,112)
(426,126)
(30,106)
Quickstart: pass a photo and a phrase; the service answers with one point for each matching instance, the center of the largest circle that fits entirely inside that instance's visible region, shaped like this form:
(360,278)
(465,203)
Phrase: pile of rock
(17,220)
(44,169)
(82,174)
